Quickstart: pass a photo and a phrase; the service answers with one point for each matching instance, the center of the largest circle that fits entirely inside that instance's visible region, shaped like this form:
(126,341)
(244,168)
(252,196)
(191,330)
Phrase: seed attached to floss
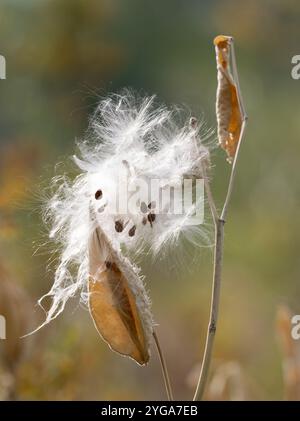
(108,264)
(152,205)
(144,220)
(151,218)
(131,232)
(119,226)
(98,194)
(143,207)
(193,122)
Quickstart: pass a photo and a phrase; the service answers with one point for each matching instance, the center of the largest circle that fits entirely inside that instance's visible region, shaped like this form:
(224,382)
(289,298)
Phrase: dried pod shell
(118,301)
(228,110)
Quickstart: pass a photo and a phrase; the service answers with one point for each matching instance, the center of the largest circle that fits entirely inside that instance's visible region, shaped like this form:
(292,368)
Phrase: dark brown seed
(131,232)
(152,205)
(144,220)
(144,208)
(108,264)
(119,226)
(98,194)
(193,122)
(151,217)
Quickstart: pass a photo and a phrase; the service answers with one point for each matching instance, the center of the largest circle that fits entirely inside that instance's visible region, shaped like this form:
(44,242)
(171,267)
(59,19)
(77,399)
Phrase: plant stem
(214,309)
(164,369)
(218,259)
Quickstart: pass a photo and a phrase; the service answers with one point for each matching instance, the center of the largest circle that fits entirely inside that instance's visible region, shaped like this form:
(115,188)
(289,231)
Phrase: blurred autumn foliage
(61,56)
(290,354)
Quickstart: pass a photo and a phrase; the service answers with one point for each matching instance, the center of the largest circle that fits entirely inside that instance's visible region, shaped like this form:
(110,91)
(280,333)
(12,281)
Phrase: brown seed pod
(228,102)
(118,301)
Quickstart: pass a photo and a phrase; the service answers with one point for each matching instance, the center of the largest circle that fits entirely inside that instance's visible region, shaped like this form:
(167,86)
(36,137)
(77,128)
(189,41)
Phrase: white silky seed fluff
(147,141)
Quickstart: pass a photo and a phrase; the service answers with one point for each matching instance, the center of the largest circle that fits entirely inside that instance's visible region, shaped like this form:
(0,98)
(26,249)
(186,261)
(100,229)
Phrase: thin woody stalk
(232,146)
(163,366)
(214,310)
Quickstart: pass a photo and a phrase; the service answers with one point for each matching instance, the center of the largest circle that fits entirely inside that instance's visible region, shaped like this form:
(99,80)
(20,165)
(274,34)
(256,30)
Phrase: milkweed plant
(142,175)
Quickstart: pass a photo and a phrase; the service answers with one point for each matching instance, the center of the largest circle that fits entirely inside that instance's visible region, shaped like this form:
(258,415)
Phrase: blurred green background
(61,56)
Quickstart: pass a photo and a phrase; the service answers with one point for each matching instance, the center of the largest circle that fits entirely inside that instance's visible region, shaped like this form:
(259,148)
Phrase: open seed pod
(118,301)
(228,106)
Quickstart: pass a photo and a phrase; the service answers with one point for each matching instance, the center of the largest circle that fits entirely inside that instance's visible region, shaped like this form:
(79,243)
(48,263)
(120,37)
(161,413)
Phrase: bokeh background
(61,56)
